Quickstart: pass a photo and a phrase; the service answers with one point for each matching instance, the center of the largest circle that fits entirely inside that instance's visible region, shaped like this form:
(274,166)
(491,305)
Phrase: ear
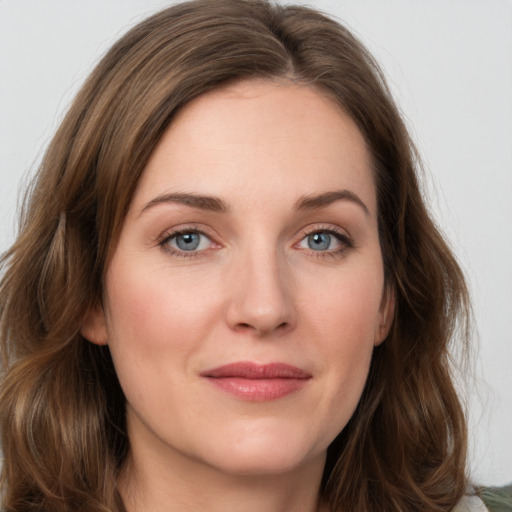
(386,315)
(94,326)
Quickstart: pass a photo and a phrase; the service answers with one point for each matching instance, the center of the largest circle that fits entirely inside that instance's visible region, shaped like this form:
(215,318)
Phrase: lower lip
(258,390)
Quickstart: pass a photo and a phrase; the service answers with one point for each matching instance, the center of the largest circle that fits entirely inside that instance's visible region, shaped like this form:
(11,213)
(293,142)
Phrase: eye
(186,241)
(319,241)
(325,241)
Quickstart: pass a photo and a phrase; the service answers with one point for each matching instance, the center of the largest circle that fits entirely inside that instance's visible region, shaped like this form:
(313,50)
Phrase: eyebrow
(215,204)
(315,202)
(208,203)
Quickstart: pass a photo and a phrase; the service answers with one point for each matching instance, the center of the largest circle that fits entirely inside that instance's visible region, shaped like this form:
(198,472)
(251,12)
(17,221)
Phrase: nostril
(243,327)
(262,330)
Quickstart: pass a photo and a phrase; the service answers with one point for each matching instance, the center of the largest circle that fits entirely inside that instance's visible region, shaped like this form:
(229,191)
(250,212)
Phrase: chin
(266,454)
(263,465)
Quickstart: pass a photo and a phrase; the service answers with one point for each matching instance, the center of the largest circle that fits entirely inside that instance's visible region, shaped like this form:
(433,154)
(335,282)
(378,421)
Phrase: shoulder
(486,499)
(497,499)
(471,504)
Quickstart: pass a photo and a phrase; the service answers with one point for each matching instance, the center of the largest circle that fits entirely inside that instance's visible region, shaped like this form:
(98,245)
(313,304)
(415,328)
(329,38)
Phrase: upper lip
(250,370)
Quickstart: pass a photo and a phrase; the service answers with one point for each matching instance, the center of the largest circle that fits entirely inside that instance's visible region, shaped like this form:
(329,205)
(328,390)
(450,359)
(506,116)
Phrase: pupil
(187,241)
(319,241)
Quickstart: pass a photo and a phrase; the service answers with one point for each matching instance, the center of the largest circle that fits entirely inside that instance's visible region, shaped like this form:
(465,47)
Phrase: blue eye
(188,241)
(319,241)
(325,241)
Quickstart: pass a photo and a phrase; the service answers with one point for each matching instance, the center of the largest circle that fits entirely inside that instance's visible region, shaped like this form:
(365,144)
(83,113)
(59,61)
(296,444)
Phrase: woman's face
(246,292)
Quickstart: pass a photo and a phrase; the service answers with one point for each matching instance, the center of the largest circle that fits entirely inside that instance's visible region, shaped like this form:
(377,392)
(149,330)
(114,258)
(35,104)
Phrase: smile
(257,383)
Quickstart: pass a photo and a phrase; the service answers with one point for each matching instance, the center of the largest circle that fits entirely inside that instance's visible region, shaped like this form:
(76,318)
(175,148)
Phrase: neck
(186,485)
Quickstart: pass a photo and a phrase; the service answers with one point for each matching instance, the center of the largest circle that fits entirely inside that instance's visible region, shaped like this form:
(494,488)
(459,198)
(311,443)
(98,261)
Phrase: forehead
(263,138)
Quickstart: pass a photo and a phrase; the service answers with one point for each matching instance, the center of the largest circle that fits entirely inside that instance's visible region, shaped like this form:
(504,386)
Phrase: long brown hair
(61,407)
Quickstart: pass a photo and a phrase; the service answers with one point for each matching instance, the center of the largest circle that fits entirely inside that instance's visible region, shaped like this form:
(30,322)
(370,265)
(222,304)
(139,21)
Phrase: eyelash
(168,236)
(341,237)
(344,239)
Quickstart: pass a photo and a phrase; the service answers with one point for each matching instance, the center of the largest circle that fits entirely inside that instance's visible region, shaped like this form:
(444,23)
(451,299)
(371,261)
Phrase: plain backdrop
(449,64)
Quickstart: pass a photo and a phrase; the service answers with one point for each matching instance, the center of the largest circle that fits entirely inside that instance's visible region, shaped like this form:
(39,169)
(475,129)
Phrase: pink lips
(255,382)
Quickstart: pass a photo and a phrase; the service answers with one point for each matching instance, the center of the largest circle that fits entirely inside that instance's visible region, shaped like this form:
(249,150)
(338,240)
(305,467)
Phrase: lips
(255,382)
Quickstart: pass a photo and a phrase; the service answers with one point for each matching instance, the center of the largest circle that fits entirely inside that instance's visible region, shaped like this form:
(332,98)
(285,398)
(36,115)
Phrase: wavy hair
(62,411)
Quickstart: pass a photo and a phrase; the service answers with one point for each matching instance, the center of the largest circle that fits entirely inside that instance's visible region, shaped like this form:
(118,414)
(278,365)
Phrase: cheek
(346,335)
(343,321)
(152,308)
(347,307)
(154,331)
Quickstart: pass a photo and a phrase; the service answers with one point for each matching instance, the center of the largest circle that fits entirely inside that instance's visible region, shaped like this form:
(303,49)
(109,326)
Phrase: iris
(188,241)
(319,241)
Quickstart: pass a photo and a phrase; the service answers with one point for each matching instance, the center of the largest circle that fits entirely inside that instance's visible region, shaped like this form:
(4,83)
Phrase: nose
(261,297)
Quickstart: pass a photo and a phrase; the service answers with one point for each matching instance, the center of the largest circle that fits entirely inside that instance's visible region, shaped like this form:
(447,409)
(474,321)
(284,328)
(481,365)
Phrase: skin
(253,290)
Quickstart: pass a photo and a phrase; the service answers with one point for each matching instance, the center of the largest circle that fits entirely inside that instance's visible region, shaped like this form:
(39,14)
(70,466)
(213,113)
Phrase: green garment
(497,499)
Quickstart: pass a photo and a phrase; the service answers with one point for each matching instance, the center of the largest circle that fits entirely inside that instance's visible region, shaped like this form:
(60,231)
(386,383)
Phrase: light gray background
(449,63)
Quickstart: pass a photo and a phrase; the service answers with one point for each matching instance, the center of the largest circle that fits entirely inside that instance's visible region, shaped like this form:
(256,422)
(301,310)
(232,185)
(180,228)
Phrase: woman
(227,291)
